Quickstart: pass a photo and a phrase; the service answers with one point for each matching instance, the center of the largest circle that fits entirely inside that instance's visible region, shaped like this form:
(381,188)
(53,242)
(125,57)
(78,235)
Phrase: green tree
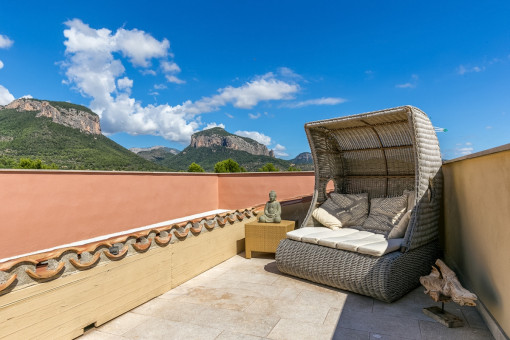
(27,163)
(194,167)
(269,167)
(228,165)
(293,168)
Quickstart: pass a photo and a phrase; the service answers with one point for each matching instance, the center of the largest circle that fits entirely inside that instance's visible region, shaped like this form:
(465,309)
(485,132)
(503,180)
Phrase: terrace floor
(251,299)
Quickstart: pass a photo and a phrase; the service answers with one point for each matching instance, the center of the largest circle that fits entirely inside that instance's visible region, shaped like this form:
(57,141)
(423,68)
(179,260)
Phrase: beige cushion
(385,213)
(381,248)
(342,234)
(297,234)
(400,229)
(349,209)
(326,219)
(354,244)
(411,199)
(315,237)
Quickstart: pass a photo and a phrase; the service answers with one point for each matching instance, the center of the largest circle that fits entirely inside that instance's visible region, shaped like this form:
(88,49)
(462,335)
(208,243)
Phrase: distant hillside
(31,134)
(207,157)
(155,153)
(219,137)
(304,161)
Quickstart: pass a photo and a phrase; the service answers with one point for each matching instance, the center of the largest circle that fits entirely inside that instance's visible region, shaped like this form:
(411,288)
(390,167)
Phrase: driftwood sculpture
(443,286)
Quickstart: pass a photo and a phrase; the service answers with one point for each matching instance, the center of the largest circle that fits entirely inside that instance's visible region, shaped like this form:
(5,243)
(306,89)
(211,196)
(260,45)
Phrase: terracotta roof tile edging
(27,270)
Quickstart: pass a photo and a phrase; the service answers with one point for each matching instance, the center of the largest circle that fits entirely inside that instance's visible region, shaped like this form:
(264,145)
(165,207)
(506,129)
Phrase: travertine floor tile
(224,319)
(216,297)
(436,331)
(156,329)
(292,330)
(227,335)
(313,313)
(351,334)
(123,323)
(380,323)
(96,335)
(473,318)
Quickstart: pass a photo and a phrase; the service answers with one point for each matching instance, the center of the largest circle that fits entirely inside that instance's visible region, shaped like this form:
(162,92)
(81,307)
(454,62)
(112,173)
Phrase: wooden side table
(264,237)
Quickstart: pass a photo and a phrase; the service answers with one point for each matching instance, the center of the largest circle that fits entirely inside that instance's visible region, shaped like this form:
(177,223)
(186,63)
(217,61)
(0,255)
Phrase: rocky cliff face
(219,137)
(62,113)
(303,158)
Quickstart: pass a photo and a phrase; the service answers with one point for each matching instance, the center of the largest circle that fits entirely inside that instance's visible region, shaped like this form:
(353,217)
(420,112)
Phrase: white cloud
(1,65)
(124,83)
(5,96)
(259,137)
(463,70)
(469,143)
(409,85)
(405,86)
(159,86)
(254,116)
(174,79)
(318,101)
(213,125)
(463,151)
(488,127)
(27,96)
(94,68)
(288,73)
(5,42)
(279,151)
(263,88)
(229,115)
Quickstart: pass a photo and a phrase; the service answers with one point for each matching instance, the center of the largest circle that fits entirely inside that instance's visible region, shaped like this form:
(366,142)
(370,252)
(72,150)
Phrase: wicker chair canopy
(381,153)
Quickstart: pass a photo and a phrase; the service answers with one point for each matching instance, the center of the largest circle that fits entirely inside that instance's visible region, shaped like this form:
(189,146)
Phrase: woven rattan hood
(383,153)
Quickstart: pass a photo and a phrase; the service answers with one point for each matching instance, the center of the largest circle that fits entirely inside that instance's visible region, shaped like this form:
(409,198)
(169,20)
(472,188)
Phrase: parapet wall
(46,209)
(476,232)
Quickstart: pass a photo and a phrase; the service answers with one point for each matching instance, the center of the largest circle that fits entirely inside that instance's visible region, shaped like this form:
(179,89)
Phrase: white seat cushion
(354,244)
(315,237)
(333,242)
(297,234)
(382,247)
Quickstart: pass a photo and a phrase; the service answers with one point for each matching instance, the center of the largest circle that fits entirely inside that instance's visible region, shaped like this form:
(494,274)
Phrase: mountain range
(69,136)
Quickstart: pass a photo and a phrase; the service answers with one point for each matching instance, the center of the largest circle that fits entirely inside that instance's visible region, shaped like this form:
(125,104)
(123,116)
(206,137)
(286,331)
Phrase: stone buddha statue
(272,210)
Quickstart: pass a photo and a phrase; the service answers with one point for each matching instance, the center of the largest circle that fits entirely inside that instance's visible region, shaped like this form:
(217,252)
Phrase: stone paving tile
(351,334)
(435,331)
(227,335)
(123,323)
(223,319)
(96,335)
(292,330)
(474,318)
(313,313)
(380,323)
(377,336)
(155,329)
(216,297)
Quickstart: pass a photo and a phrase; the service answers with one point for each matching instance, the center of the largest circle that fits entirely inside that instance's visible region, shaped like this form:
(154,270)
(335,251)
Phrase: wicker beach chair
(381,153)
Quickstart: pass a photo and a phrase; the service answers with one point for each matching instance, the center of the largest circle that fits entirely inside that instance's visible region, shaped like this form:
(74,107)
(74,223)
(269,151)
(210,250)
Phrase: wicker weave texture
(264,237)
(386,278)
(382,153)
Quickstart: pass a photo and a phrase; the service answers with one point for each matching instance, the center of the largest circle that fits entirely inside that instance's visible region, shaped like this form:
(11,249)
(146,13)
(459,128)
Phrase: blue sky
(157,72)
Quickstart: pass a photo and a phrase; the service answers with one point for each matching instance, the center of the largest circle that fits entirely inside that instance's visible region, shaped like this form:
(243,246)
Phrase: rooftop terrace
(188,278)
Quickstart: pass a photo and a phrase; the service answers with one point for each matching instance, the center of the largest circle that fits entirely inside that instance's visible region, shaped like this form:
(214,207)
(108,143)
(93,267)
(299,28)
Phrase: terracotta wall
(45,209)
(256,187)
(477,227)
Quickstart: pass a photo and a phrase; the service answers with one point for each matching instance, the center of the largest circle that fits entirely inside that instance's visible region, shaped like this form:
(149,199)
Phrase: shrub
(194,167)
(293,168)
(228,165)
(269,167)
